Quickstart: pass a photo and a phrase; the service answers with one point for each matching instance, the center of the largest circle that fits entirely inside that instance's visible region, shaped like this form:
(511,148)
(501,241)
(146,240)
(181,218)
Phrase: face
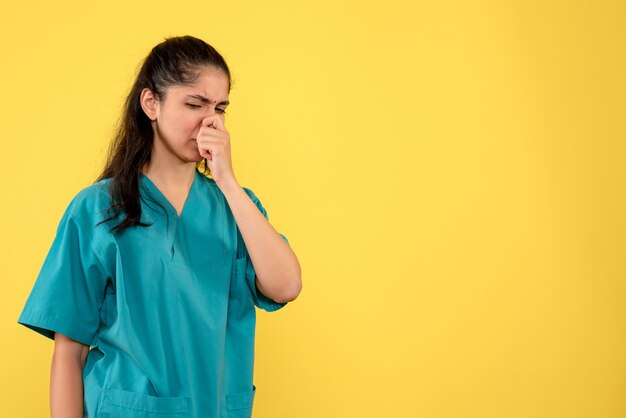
(177,119)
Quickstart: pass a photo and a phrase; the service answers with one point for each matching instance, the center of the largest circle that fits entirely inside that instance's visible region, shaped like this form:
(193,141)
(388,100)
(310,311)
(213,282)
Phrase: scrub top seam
(91,242)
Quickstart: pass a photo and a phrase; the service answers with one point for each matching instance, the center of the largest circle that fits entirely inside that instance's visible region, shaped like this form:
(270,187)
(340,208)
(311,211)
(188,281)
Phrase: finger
(210,136)
(219,123)
(215,121)
(206,131)
(205,152)
(209,121)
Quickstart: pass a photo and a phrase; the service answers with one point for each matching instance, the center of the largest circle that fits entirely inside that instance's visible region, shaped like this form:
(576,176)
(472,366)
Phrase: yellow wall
(450,174)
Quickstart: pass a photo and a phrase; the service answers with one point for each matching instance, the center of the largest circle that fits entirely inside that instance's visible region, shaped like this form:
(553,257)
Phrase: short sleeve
(260,300)
(70,287)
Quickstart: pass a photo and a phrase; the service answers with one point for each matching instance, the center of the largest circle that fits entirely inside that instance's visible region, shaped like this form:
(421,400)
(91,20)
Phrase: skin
(66,380)
(186,130)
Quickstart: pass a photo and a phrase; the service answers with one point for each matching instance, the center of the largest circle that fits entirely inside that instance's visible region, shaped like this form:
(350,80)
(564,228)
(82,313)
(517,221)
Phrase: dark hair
(175,61)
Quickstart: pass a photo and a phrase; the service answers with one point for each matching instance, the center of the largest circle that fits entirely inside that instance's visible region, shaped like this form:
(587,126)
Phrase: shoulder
(91,201)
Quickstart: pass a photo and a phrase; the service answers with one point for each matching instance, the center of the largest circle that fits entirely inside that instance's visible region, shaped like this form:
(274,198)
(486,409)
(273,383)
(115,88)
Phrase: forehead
(211,83)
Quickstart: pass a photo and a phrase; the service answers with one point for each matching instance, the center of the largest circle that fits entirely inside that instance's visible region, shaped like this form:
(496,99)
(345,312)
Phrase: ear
(149,104)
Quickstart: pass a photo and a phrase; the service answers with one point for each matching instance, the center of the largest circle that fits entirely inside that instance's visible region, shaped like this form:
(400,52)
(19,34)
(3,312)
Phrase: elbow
(293,286)
(291,292)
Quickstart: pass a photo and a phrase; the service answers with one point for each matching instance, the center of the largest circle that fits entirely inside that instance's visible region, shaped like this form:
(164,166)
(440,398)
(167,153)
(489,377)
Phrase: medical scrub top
(168,310)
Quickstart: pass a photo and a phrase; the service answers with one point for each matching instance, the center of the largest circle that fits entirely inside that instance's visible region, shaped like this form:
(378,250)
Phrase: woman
(158,267)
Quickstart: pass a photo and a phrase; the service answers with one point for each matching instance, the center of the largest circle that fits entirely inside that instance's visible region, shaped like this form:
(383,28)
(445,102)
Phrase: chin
(194,156)
(196,159)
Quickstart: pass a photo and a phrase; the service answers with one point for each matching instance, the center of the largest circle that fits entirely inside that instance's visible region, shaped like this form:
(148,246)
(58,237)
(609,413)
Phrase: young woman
(157,267)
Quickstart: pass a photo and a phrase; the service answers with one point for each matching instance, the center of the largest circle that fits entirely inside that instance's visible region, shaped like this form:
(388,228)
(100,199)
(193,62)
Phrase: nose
(210,110)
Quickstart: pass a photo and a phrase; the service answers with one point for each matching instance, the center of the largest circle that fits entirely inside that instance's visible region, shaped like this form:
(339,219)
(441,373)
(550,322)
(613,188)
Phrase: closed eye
(194,106)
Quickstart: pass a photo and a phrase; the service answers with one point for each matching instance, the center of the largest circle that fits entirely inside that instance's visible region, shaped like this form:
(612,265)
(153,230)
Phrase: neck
(171,173)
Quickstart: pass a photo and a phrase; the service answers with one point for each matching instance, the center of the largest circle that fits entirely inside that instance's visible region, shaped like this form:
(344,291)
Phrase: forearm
(276,265)
(66,385)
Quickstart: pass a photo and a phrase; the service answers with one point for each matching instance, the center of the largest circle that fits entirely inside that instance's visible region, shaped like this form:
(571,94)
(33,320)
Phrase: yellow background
(451,175)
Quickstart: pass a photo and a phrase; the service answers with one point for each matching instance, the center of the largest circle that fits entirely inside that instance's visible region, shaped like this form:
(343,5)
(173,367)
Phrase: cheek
(190,124)
(183,127)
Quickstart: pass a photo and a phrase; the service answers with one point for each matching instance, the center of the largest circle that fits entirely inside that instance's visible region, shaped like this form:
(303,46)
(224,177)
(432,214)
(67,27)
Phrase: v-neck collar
(146,180)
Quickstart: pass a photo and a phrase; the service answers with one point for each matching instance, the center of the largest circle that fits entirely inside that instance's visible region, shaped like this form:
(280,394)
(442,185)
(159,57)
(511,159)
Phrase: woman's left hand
(214,144)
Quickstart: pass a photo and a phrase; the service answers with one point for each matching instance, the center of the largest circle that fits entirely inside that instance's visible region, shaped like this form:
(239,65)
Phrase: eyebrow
(206,100)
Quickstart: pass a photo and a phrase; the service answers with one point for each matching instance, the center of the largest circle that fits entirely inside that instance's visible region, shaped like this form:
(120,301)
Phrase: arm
(66,377)
(276,265)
